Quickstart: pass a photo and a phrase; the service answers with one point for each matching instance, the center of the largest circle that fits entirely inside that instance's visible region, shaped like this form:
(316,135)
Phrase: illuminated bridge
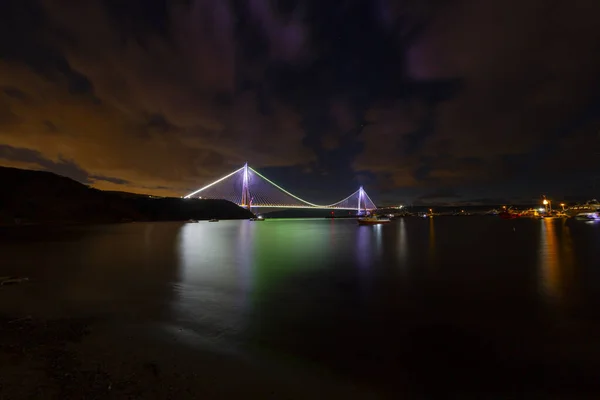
(249,189)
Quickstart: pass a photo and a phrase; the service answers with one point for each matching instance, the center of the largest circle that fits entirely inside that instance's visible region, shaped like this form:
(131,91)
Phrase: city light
(547,204)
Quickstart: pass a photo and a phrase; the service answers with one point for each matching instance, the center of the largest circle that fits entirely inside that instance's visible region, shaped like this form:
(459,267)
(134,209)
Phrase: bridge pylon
(362,203)
(246,199)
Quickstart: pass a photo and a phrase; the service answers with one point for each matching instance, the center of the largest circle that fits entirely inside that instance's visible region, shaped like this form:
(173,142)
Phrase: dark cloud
(143,92)
(404,97)
(116,181)
(444,194)
(20,157)
(527,69)
(51,127)
(495,201)
(7,117)
(14,93)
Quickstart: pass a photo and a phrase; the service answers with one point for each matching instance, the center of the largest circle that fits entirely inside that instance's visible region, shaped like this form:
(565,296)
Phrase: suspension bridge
(247,188)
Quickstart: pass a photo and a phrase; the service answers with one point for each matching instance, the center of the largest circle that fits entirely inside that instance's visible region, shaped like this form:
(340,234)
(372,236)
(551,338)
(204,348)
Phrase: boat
(588,216)
(372,220)
(553,215)
(534,213)
(509,215)
(213,220)
(584,209)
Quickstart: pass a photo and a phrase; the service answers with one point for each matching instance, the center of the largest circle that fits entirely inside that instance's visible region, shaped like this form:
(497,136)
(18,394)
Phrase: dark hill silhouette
(43,197)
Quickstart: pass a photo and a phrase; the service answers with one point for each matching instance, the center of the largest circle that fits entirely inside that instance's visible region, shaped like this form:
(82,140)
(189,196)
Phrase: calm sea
(440,305)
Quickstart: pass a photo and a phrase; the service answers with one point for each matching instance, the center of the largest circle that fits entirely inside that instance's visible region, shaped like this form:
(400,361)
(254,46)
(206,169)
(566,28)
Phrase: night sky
(431,101)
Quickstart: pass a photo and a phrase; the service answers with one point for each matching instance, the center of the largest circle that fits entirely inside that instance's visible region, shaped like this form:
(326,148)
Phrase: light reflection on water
(549,260)
(555,259)
(245,266)
(432,249)
(378,240)
(402,243)
(327,290)
(230,270)
(363,247)
(215,277)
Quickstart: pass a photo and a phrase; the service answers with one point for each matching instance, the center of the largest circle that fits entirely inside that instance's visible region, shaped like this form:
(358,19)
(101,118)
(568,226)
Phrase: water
(459,303)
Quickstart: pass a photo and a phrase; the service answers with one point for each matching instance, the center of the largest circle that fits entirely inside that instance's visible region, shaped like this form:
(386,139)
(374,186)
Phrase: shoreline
(92,358)
(60,224)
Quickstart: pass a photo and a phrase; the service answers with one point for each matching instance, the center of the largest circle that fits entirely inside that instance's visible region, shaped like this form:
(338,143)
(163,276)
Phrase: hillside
(43,197)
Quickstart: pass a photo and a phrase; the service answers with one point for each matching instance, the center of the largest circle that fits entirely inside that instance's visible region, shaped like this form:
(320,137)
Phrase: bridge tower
(246,200)
(361,199)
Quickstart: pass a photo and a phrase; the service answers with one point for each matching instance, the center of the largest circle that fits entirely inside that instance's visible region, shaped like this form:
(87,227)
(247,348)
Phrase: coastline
(92,358)
(59,224)
(56,350)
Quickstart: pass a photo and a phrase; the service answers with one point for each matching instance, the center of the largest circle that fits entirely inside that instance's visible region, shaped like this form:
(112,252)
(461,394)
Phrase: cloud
(164,96)
(145,109)
(116,181)
(526,68)
(31,159)
(530,66)
(440,194)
